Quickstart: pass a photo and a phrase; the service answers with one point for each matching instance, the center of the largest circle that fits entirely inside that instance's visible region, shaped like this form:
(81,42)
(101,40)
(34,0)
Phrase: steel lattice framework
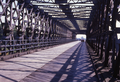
(74,14)
(29,25)
(103,34)
(24,27)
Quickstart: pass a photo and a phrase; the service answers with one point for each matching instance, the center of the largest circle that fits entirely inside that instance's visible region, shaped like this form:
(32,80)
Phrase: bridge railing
(13,48)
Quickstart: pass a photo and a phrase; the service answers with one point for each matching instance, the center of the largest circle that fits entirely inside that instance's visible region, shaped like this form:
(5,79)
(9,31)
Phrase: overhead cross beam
(66,10)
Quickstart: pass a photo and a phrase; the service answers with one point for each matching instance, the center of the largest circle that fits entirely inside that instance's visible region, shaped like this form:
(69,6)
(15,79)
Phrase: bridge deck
(64,63)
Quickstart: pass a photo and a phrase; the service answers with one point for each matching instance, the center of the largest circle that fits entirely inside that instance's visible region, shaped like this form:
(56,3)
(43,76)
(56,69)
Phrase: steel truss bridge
(28,25)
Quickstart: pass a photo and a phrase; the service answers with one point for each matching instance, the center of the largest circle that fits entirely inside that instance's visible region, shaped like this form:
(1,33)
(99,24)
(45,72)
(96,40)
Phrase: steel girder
(74,13)
(24,27)
(103,34)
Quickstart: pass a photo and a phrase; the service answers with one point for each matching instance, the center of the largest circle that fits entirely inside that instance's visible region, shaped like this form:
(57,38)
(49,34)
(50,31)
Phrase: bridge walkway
(68,62)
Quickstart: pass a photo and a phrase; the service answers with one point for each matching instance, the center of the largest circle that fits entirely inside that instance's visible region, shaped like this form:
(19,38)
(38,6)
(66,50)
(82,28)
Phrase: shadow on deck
(67,67)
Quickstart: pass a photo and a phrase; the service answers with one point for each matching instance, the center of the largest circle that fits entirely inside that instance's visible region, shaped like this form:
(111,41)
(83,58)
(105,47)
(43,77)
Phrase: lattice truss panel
(14,17)
(24,27)
(104,34)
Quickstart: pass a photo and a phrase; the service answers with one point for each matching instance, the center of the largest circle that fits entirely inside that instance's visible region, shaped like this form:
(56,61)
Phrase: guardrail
(14,48)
